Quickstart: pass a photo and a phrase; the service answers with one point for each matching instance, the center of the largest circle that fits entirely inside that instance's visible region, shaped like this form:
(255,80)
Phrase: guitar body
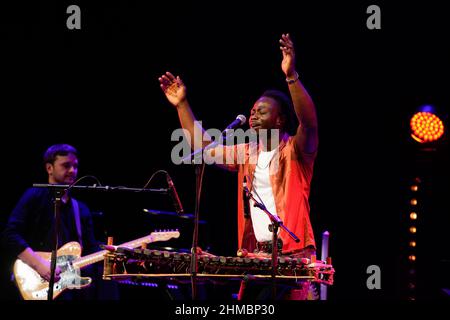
(68,258)
(33,287)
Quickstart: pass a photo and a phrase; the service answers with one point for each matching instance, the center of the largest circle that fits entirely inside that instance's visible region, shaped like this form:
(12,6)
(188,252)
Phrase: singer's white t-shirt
(261,183)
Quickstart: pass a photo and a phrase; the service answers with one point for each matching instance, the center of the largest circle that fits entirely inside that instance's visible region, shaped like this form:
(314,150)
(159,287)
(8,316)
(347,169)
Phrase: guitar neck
(90,259)
(98,256)
(137,242)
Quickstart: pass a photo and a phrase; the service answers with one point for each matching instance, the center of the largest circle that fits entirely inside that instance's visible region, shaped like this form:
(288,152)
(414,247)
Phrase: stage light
(426,126)
(411,244)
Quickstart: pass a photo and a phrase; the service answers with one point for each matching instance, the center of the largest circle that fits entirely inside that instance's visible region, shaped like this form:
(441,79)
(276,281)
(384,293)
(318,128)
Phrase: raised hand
(288,62)
(173,87)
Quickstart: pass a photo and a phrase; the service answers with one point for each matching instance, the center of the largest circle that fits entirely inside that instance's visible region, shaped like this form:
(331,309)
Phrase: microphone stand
(58,192)
(199,170)
(67,187)
(198,154)
(276,223)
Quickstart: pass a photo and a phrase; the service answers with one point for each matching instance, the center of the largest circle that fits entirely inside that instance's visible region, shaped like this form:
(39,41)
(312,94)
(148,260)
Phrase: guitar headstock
(164,235)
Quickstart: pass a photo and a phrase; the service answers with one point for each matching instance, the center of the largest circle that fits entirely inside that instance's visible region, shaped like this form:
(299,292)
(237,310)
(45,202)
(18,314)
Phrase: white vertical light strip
(323,257)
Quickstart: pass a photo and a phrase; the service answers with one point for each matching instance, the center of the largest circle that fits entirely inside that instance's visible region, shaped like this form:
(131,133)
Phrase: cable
(153,175)
(83,177)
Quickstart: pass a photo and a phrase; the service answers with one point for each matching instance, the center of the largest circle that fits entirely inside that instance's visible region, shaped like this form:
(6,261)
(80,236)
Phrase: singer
(282,174)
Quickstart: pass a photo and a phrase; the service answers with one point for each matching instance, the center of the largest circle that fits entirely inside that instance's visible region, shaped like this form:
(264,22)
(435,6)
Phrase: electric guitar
(33,287)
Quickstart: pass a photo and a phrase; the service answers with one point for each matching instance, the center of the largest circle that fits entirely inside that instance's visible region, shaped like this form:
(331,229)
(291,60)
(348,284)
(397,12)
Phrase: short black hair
(286,108)
(58,150)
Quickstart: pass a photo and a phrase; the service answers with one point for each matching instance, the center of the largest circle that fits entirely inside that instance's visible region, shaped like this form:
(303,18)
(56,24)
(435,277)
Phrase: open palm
(287,48)
(173,87)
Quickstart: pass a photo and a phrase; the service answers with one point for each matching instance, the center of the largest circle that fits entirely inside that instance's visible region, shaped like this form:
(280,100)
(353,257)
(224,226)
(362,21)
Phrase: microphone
(240,120)
(174,195)
(225,134)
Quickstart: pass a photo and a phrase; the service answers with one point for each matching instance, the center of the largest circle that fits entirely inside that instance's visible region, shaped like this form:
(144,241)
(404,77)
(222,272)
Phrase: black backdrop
(97,89)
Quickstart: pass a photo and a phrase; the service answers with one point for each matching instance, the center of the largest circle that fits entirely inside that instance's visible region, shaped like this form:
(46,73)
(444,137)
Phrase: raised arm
(307,135)
(175,91)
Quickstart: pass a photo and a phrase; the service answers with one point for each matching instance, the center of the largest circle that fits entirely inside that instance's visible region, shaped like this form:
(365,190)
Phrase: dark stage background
(97,89)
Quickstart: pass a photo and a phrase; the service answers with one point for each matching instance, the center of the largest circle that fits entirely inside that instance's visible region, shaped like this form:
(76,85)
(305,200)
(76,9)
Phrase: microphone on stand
(174,195)
(240,120)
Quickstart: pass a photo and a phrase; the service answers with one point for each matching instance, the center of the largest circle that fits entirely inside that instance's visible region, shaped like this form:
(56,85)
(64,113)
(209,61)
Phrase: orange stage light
(426,127)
